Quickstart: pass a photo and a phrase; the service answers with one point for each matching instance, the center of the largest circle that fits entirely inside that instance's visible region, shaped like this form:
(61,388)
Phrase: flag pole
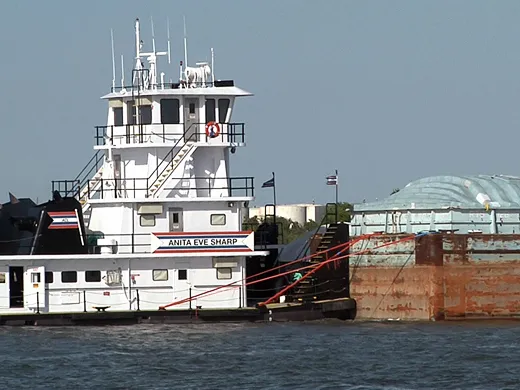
(337,186)
(274,198)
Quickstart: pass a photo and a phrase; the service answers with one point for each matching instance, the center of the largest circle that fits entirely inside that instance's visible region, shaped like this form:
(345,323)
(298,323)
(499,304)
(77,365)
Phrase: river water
(320,355)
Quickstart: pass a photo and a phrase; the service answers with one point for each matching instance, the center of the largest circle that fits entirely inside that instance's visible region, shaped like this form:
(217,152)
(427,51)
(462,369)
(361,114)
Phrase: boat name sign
(189,242)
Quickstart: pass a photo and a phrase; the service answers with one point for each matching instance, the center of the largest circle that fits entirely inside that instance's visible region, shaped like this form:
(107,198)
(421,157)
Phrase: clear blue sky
(384,91)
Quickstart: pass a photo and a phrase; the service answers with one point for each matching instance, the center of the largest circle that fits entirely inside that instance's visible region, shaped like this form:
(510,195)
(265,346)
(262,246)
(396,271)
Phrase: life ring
(212,129)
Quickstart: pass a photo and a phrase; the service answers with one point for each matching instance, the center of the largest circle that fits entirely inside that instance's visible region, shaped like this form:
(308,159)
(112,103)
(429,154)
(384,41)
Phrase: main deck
(343,308)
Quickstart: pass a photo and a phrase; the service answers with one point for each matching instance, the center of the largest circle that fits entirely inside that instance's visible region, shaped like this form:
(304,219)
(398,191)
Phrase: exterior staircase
(90,180)
(327,281)
(89,189)
(168,165)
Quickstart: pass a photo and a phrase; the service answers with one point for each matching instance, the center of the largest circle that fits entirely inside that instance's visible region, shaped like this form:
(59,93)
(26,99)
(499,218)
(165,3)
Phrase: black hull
(343,309)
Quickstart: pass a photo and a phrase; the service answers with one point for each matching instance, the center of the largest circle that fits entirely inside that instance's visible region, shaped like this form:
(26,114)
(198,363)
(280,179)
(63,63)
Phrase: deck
(343,309)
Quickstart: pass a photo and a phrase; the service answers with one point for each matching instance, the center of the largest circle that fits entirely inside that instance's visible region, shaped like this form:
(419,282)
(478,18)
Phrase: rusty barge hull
(441,276)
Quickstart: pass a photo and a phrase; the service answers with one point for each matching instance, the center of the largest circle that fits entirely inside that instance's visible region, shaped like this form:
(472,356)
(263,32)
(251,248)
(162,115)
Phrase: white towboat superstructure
(158,217)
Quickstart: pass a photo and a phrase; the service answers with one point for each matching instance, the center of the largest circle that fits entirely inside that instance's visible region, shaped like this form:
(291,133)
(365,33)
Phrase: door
(4,285)
(175,219)
(191,119)
(34,288)
(16,287)
(181,284)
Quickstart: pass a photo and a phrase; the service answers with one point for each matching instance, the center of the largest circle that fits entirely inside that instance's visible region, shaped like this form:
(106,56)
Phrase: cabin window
(218,219)
(160,275)
(224,273)
(92,276)
(147,220)
(2,277)
(145,115)
(118,116)
(170,109)
(210,110)
(223,107)
(182,274)
(49,277)
(69,277)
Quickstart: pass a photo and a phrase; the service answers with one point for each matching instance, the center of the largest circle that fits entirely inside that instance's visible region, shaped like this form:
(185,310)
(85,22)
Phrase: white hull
(97,284)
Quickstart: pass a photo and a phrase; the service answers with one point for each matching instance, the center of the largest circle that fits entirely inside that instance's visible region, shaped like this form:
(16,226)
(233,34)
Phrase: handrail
(135,187)
(76,185)
(102,137)
(158,86)
(96,159)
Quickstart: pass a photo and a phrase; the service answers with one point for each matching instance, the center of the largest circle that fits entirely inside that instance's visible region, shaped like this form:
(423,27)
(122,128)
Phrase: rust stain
(379,297)
(428,250)
(453,276)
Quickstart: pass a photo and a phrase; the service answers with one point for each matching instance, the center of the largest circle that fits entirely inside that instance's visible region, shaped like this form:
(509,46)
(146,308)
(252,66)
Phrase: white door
(34,288)
(4,286)
(182,288)
(191,119)
(175,219)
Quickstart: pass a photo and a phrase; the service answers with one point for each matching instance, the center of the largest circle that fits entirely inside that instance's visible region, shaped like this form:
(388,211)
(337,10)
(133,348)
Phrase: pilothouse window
(223,107)
(146,115)
(170,111)
(210,110)
(118,116)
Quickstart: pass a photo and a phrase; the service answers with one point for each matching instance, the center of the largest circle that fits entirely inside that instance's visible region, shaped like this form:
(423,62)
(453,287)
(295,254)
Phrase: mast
(113,61)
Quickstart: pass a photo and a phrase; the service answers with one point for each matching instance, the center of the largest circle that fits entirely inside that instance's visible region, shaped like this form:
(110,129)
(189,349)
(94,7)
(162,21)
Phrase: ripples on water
(331,355)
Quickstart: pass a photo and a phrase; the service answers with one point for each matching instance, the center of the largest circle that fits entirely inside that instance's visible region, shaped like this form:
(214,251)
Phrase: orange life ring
(212,129)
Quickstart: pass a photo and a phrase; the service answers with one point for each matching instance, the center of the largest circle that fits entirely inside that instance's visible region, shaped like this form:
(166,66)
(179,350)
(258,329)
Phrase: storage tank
(300,213)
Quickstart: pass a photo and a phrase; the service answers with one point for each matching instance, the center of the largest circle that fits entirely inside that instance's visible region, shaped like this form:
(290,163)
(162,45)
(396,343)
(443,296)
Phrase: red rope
(345,247)
(349,243)
(334,258)
(342,245)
